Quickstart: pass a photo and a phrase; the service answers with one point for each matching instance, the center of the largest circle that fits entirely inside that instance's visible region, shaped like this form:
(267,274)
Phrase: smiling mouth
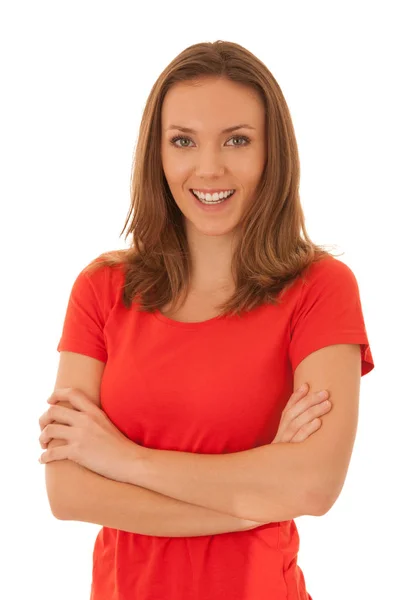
(218,201)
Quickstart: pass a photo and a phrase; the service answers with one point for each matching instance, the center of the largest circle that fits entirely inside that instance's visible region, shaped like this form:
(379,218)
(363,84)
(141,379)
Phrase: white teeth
(213,197)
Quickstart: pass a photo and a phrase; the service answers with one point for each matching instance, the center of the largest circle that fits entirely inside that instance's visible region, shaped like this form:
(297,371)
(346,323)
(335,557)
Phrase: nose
(209,164)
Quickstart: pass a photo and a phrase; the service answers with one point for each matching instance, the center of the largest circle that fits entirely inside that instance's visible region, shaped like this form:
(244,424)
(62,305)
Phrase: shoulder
(328,273)
(101,272)
(329,265)
(327,288)
(324,276)
(101,283)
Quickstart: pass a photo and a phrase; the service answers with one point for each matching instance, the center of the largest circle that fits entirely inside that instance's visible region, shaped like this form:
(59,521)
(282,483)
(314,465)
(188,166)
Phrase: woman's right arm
(96,499)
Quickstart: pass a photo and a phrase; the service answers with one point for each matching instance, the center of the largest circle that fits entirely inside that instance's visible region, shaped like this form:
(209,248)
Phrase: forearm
(264,484)
(96,499)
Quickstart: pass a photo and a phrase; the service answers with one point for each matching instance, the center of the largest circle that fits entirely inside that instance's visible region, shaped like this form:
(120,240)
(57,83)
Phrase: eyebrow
(227,130)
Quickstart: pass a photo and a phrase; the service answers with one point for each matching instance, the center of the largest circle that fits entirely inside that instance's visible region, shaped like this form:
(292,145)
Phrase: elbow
(57,510)
(315,504)
(59,487)
(320,500)
(61,483)
(58,514)
(323,507)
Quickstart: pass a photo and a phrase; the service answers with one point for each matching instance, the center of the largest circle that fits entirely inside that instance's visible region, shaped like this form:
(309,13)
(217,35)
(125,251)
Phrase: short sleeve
(329,312)
(83,329)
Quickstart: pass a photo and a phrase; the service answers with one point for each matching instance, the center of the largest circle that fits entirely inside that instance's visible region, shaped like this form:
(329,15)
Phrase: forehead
(211,104)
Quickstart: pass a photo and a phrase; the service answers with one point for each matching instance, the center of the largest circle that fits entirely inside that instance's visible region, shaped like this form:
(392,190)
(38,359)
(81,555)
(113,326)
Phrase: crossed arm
(271,483)
(89,497)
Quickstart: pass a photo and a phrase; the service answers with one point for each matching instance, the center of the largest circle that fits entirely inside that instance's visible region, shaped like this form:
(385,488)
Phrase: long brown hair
(270,252)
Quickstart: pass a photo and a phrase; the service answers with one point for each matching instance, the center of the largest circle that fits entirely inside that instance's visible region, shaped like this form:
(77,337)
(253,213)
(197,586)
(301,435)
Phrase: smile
(212,198)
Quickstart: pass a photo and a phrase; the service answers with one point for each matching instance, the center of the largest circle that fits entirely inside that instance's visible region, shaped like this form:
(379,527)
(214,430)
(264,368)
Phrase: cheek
(175,170)
(246,167)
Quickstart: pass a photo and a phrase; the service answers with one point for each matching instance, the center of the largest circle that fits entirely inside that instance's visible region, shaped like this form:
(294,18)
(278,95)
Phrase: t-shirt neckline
(184,324)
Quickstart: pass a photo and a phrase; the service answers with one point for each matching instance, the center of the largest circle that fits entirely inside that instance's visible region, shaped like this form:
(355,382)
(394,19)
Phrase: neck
(211,260)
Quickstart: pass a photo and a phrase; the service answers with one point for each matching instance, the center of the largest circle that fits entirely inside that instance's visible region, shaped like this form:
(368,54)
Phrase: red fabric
(218,386)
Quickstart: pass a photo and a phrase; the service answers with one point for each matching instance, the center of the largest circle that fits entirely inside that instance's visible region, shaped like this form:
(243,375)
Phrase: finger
(75,397)
(61,414)
(296,396)
(56,453)
(307,430)
(44,420)
(55,431)
(297,404)
(60,394)
(305,403)
(41,421)
(308,415)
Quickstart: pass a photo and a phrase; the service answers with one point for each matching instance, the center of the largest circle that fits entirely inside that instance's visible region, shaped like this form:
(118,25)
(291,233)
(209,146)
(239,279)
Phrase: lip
(212,191)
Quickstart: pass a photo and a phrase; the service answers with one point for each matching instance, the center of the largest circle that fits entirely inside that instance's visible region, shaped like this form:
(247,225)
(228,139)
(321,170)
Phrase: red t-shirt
(218,386)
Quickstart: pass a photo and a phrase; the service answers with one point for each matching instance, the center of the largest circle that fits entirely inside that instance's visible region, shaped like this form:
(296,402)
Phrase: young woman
(176,422)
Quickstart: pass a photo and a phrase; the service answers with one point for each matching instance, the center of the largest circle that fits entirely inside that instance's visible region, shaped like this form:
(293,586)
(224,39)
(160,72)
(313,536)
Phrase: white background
(75,77)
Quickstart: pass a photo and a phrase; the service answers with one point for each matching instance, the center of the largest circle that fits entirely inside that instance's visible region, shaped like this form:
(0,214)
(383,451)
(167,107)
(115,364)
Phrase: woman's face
(207,158)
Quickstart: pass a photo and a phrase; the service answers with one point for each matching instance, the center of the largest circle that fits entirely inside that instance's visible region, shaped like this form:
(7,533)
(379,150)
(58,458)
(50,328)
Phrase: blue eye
(237,137)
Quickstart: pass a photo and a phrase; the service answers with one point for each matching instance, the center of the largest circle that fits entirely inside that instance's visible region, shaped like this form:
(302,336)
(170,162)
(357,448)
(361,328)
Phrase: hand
(300,419)
(92,440)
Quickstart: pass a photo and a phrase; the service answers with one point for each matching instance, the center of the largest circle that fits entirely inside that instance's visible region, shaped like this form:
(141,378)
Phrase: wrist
(136,461)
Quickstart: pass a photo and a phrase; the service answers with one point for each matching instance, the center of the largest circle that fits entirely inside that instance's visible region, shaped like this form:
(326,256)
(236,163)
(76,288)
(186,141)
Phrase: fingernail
(302,388)
(322,395)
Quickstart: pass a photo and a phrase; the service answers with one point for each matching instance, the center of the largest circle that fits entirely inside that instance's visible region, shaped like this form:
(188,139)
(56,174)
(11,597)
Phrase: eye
(235,137)
(179,137)
(241,137)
